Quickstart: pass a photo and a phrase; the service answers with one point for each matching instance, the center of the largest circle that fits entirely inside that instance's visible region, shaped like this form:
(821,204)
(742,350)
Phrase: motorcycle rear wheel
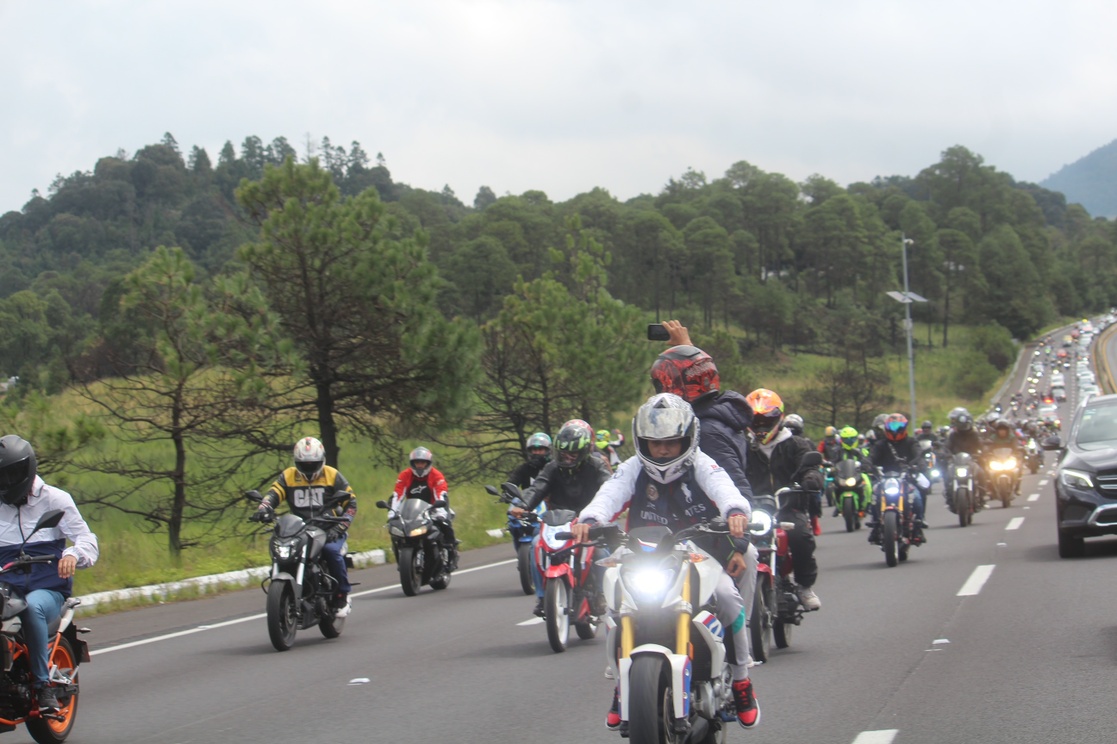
(889,536)
(410,570)
(556,605)
(283,622)
(649,701)
(760,624)
(523,563)
(49,731)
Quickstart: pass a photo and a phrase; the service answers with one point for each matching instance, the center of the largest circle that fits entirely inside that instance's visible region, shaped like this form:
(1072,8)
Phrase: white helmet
(665,416)
(421,455)
(310,456)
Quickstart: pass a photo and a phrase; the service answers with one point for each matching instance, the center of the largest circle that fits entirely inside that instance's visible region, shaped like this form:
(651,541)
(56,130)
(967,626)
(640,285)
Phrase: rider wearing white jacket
(671,482)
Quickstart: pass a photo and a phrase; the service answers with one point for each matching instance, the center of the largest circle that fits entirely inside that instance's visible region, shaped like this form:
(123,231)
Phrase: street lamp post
(907,297)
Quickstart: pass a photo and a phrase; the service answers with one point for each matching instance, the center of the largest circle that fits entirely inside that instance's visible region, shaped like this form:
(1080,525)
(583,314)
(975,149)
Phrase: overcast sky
(562,96)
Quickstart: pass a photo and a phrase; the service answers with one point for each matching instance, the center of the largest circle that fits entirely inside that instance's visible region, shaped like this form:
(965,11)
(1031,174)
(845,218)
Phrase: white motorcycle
(675,683)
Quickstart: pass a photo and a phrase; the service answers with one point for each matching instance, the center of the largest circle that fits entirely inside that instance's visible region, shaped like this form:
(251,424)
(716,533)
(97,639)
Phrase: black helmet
(927,426)
(573,444)
(963,422)
(1002,423)
(17,470)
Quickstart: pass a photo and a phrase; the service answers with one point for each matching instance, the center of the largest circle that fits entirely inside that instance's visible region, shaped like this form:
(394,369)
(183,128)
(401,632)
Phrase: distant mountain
(1090,181)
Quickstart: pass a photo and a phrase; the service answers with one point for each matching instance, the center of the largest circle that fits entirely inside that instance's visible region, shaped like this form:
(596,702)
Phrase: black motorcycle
(423,554)
(300,590)
(965,494)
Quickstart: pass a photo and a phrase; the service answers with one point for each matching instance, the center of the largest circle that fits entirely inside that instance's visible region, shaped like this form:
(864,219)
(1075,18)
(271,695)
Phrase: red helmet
(767,414)
(896,427)
(685,371)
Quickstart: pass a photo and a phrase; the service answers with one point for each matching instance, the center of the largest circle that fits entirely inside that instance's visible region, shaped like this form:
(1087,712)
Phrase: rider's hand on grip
(263,514)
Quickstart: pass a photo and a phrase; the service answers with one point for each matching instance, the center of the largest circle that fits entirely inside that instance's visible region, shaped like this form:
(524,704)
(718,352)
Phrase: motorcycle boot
(613,717)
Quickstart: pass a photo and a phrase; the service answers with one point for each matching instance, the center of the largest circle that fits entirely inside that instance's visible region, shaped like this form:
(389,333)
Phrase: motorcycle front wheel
(849,512)
(556,609)
(889,536)
(523,563)
(283,620)
(48,730)
(410,570)
(649,701)
(963,506)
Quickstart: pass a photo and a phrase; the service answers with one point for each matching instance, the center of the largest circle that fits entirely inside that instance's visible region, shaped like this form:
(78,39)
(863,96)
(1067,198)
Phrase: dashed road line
(1033,497)
(1044,482)
(884,736)
(1014,523)
(977,579)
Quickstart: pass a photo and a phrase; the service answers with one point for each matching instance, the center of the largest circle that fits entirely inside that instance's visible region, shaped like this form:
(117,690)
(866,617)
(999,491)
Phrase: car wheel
(1071,545)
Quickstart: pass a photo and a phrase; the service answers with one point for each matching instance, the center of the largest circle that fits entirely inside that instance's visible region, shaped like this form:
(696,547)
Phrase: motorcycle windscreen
(412,509)
(558,517)
(288,525)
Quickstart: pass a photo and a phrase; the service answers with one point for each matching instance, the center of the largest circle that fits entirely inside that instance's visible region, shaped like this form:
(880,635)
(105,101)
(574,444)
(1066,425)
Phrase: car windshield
(1098,427)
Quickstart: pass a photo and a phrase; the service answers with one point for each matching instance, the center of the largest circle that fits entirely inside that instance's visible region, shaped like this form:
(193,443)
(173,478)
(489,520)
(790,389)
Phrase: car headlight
(420,530)
(1076,479)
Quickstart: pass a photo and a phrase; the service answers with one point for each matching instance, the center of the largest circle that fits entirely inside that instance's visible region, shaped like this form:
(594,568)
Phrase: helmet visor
(14,474)
(663,423)
(309,468)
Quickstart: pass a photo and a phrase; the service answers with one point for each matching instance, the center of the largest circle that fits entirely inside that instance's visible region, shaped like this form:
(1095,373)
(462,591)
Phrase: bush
(974,375)
(996,343)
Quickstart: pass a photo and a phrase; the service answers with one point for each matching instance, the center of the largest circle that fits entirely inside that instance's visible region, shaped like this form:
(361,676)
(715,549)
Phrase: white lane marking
(1044,482)
(1033,497)
(1014,523)
(977,579)
(884,736)
(249,618)
(937,641)
(533,621)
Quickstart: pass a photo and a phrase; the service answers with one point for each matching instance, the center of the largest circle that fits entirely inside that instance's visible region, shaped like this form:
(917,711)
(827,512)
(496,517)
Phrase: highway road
(984,635)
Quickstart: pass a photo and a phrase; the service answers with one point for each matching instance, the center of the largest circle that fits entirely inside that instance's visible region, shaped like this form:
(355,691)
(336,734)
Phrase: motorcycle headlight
(760,524)
(649,584)
(849,482)
(395,531)
(961,472)
(892,487)
(1076,479)
(420,530)
(284,551)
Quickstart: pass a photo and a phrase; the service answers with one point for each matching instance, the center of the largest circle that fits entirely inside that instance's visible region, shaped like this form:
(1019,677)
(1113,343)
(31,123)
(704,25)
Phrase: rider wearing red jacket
(424,481)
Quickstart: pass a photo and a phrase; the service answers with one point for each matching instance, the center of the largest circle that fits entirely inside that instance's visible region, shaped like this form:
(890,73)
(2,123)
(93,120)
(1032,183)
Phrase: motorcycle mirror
(382,504)
(48,520)
(1053,442)
(492,490)
(512,489)
(439,504)
(253,495)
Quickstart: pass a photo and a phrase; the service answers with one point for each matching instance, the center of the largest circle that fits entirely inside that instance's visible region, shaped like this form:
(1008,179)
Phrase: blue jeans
(44,606)
(335,557)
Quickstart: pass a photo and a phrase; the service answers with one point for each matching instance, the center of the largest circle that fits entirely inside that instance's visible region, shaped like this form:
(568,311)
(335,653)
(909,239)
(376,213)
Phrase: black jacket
(565,488)
(902,455)
(770,474)
(722,420)
(524,474)
(964,441)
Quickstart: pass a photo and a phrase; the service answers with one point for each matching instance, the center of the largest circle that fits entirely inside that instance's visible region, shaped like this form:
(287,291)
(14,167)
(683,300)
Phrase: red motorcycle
(568,585)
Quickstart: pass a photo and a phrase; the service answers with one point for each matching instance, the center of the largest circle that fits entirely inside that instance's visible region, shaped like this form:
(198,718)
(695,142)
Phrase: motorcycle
(523,530)
(896,533)
(66,651)
(300,588)
(776,608)
(1004,474)
(421,554)
(674,679)
(1033,456)
(568,585)
(965,495)
(849,491)
(930,459)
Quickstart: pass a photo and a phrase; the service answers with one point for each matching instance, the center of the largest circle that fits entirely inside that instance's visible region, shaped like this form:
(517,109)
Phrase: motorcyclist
(24,499)
(537,454)
(671,482)
(607,444)
(963,437)
(1003,437)
(831,444)
(690,373)
(775,461)
(927,433)
(850,448)
(568,481)
(306,486)
(421,480)
(794,423)
(898,451)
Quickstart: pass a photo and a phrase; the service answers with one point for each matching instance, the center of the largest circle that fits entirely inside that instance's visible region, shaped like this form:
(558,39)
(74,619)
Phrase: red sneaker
(748,711)
(613,717)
